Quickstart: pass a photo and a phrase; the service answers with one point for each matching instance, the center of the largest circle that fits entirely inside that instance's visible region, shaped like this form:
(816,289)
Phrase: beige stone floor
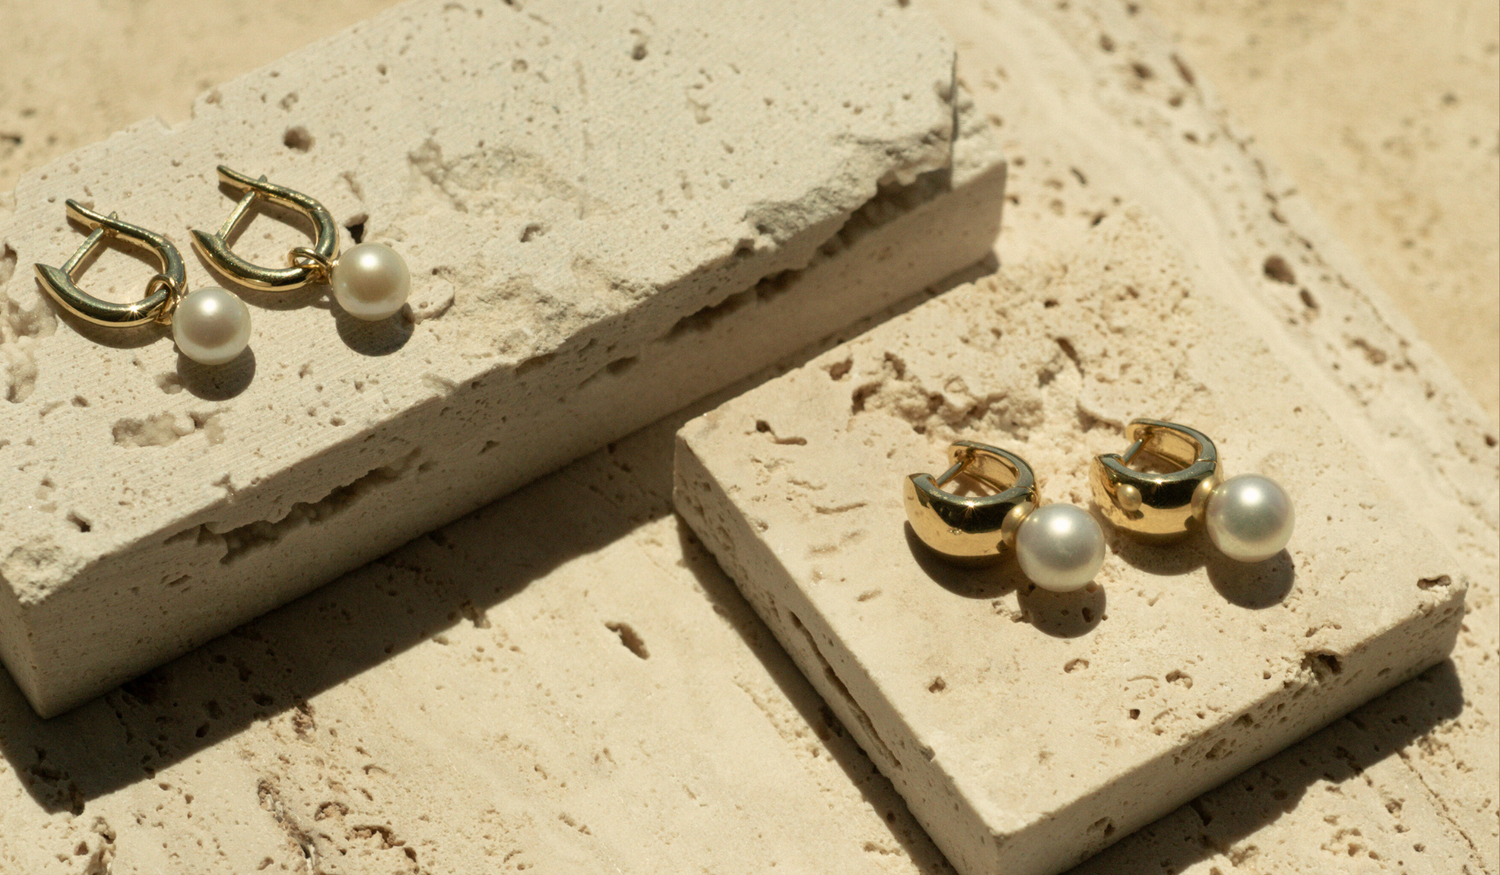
(1407,176)
(1386,113)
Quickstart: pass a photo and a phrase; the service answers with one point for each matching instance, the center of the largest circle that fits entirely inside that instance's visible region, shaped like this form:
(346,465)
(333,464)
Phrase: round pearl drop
(1060,547)
(1249,517)
(211,326)
(370,281)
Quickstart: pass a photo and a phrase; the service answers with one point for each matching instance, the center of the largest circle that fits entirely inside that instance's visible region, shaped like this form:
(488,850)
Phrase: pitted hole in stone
(765,428)
(628,637)
(1442,580)
(474,614)
(1066,346)
(532,231)
(1276,268)
(356,227)
(1077,664)
(937,685)
(8,261)
(80,521)
(1179,677)
(1322,664)
(1134,713)
(1204,817)
(297,138)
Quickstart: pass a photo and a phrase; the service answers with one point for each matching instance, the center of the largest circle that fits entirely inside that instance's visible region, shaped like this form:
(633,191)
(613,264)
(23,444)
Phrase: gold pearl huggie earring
(1249,517)
(1059,547)
(211,326)
(370,281)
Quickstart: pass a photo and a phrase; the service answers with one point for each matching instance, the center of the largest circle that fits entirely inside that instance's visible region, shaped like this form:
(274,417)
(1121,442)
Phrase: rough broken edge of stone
(986,834)
(352,499)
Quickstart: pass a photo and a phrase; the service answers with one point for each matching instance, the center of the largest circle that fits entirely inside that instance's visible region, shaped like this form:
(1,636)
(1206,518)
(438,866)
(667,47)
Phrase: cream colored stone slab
(1098,108)
(1028,730)
(607,213)
(561,682)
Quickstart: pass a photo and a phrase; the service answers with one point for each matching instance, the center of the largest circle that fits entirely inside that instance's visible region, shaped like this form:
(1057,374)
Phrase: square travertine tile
(1027,729)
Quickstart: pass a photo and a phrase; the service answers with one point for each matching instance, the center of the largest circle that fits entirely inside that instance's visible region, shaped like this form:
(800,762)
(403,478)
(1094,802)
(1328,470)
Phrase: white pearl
(1060,547)
(1249,517)
(371,281)
(211,325)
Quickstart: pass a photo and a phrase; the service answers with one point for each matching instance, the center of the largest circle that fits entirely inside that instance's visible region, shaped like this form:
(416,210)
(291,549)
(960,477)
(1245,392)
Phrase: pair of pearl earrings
(211,325)
(1061,547)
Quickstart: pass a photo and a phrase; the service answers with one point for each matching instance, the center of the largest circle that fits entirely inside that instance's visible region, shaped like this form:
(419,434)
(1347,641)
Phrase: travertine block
(607,213)
(1027,729)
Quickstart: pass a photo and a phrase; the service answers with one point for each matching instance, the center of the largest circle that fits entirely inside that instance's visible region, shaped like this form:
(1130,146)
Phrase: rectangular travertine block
(607,213)
(1029,729)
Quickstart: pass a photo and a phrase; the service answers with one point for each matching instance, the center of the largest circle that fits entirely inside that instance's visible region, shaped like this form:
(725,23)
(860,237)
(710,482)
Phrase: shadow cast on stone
(217,382)
(281,659)
(310,295)
(984,579)
(1062,614)
(1337,754)
(1167,557)
(1254,585)
(874,787)
(378,338)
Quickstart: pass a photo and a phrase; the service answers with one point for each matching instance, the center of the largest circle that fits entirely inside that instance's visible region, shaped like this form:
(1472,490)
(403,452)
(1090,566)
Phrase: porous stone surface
(606,212)
(1029,729)
(1405,783)
(561,682)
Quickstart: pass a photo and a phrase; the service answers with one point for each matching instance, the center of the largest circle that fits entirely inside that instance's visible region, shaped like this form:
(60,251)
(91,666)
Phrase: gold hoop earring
(370,281)
(1059,547)
(211,326)
(1249,517)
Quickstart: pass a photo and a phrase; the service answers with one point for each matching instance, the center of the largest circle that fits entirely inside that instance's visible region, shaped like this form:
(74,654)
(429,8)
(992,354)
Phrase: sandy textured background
(1386,113)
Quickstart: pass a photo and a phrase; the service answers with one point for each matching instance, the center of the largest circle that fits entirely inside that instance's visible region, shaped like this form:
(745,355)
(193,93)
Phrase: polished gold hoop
(307,265)
(1157,504)
(162,292)
(972,527)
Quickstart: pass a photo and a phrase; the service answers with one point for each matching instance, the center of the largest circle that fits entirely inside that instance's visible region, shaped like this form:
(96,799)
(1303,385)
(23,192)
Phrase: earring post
(949,474)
